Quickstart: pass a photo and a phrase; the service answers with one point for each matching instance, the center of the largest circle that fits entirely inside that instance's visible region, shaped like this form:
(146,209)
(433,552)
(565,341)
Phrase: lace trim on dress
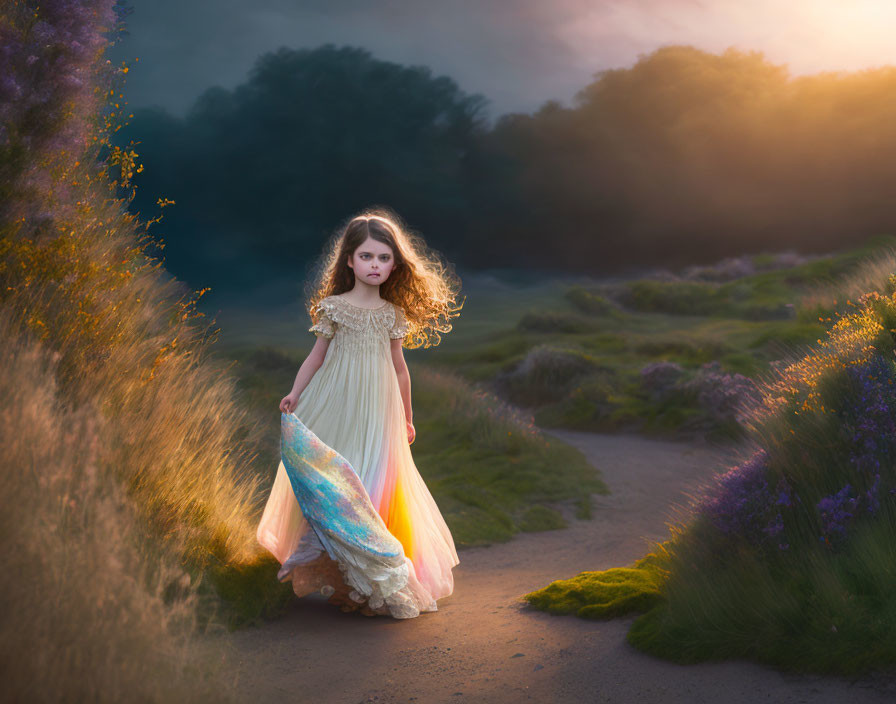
(336,310)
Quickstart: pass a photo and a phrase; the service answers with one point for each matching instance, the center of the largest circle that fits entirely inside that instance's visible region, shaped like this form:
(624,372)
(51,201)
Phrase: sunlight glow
(808,35)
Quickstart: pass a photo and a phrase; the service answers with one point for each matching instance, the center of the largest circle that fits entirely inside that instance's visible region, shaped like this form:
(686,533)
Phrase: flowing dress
(345,451)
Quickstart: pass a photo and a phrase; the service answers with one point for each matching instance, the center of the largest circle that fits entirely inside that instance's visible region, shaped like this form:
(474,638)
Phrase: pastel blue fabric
(333,499)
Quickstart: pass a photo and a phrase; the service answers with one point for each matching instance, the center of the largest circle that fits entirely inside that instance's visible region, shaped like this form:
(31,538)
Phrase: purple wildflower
(837,511)
(870,416)
(869,426)
(744,505)
(53,85)
(725,397)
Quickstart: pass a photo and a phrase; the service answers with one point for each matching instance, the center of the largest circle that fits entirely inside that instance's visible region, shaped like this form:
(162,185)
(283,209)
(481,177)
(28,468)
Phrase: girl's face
(372,262)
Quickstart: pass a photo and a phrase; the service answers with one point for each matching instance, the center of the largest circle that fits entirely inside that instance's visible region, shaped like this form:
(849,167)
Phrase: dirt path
(486,646)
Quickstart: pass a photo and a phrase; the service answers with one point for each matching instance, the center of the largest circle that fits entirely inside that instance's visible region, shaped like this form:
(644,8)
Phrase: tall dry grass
(872,274)
(93,611)
(129,343)
(127,458)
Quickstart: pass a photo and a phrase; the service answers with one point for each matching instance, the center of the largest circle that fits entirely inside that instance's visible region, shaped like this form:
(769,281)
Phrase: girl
(370,536)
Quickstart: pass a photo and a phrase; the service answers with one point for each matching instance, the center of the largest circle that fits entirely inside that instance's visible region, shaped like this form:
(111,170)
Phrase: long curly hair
(420,283)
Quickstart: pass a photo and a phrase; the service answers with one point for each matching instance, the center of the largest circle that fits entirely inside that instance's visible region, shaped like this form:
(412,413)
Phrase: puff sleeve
(324,325)
(399,329)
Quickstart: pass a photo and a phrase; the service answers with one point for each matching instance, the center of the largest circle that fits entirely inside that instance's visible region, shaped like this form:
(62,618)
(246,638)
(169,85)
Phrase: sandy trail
(484,645)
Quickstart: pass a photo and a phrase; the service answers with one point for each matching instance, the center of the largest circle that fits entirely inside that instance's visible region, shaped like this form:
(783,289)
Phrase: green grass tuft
(604,594)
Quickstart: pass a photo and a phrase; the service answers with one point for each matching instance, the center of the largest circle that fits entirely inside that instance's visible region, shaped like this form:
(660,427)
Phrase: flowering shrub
(868,419)
(50,96)
(75,275)
(836,512)
(851,341)
(744,505)
(725,397)
(739,267)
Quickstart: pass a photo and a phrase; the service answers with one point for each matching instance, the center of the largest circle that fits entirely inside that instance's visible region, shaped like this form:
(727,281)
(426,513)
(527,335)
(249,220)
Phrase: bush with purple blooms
(744,504)
(53,90)
(868,426)
(749,503)
(724,397)
(716,401)
(836,512)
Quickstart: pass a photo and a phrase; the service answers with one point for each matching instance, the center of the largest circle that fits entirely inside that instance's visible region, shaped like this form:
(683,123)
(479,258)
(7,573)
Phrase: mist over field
(684,158)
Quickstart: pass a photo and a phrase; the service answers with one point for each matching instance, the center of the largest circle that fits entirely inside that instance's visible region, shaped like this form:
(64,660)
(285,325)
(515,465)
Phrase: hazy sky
(517,53)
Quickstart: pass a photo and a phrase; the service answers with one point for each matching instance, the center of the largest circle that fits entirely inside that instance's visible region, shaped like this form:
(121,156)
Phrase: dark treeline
(683,158)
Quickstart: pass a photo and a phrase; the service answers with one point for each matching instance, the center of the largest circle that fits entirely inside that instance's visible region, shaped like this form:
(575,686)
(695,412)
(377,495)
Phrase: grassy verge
(576,357)
(95,608)
(490,469)
(787,558)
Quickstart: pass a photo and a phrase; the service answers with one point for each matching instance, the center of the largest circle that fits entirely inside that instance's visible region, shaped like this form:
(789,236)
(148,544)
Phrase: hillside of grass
(117,492)
(94,610)
(787,557)
(676,355)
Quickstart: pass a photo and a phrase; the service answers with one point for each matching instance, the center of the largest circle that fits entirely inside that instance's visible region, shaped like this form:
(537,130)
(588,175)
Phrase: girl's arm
(312,363)
(404,378)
